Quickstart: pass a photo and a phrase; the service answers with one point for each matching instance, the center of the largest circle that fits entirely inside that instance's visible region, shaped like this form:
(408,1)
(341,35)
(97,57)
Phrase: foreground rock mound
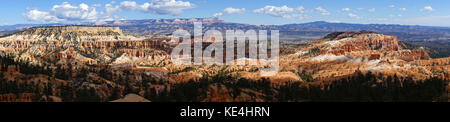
(132,98)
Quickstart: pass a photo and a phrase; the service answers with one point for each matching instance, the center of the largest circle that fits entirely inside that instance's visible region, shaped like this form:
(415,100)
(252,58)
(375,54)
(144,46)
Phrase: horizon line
(86,23)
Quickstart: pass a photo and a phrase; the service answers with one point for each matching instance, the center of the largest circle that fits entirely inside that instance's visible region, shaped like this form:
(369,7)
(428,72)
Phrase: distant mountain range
(289,32)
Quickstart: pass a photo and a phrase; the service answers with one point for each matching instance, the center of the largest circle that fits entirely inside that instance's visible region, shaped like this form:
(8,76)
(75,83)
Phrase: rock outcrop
(84,44)
(132,98)
(342,53)
(69,34)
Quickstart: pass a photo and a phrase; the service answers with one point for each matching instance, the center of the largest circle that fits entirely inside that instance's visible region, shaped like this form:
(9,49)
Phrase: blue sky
(407,12)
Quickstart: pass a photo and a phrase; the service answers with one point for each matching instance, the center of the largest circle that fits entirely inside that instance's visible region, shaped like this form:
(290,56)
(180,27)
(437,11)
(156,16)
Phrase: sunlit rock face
(342,53)
(83,44)
(70,34)
(135,60)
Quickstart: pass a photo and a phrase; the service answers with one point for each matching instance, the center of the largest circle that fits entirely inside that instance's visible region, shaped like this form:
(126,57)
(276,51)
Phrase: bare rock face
(371,44)
(70,34)
(83,44)
(359,41)
(342,53)
(132,98)
(133,60)
(412,55)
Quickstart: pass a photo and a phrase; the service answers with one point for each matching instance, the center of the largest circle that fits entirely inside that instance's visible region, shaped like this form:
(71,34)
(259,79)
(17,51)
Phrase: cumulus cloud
(36,15)
(72,12)
(402,9)
(345,9)
(391,6)
(353,16)
(218,14)
(283,11)
(67,12)
(234,10)
(322,11)
(275,10)
(427,8)
(372,10)
(300,9)
(230,10)
(162,7)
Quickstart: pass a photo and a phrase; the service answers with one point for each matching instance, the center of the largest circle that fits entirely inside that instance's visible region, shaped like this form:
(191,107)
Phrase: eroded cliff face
(87,45)
(117,59)
(337,54)
(341,54)
(68,53)
(69,34)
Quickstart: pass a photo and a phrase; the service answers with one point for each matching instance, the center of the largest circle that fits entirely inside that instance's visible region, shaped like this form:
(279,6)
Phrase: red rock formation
(374,56)
(25,97)
(8,98)
(337,52)
(414,55)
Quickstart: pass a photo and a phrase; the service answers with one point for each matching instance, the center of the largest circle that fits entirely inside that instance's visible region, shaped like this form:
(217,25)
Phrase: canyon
(105,63)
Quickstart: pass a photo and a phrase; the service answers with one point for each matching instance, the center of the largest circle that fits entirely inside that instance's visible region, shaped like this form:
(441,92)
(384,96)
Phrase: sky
(258,12)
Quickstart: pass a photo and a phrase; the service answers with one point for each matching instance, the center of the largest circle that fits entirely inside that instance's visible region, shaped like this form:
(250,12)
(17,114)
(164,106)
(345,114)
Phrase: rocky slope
(86,44)
(108,62)
(70,34)
(342,53)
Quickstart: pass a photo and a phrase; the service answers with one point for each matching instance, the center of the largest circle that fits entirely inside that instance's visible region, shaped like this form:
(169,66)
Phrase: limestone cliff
(87,45)
(342,53)
(70,34)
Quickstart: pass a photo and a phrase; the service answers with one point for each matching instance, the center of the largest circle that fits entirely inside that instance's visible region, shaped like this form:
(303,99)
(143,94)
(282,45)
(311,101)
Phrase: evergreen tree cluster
(368,88)
(359,88)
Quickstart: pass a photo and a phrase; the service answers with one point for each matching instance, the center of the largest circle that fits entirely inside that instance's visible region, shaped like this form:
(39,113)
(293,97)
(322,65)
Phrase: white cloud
(129,5)
(427,8)
(283,11)
(234,10)
(171,7)
(218,14)
(65,12)
(322,11)
(162,7)
(70,12)
(275,10)
(372,10)
(402,9)
(36,15)
(300,9)
(110,9)
(391,6)
(359,9)
(345,9)
(351,15)
(230,10)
